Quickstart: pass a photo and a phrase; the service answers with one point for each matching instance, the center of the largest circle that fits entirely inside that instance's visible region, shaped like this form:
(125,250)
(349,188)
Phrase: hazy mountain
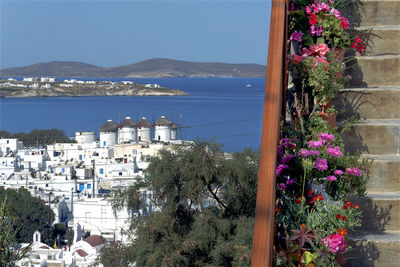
(157,67)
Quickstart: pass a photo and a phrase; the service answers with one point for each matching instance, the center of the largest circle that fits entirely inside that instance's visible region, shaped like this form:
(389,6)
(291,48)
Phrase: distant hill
(152,68)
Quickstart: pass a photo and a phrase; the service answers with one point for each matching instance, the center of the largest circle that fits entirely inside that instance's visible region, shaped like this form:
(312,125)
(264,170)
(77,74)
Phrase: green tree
(208,206)
(39,137)
(31,213)
(9,251)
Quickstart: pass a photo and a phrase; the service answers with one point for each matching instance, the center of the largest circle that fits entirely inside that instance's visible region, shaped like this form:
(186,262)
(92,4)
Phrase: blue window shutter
(101,171)
(81,187)
(89,186)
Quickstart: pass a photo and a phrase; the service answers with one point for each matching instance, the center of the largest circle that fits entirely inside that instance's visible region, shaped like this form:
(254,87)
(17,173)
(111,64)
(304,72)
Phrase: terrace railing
(274,110)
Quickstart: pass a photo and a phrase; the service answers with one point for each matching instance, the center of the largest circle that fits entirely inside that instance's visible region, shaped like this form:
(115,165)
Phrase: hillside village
(74,179)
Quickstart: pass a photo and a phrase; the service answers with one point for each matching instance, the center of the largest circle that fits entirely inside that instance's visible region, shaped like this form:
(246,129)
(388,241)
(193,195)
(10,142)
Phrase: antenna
(119,116)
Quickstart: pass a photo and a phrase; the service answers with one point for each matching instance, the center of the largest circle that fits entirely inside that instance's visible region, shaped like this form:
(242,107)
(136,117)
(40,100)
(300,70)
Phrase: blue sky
(114,33)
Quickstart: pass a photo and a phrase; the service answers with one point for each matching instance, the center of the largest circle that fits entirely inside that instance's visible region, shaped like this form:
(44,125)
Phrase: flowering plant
(321,238)
(314,176)
(318,72)
(318,22)
(319,33)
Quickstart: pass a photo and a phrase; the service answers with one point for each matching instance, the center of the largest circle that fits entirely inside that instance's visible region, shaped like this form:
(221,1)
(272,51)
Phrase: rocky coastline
(20,89)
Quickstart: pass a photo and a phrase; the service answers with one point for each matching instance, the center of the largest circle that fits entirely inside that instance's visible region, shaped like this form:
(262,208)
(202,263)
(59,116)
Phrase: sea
(227,111)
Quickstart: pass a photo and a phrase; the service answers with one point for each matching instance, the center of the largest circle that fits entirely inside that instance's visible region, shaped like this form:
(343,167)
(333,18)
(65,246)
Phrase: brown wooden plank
(262,254)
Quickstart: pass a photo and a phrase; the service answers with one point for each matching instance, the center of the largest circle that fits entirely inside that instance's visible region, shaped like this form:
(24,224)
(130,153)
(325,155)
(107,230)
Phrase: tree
(31,213)
(39,137)
(9,252)
(208,207)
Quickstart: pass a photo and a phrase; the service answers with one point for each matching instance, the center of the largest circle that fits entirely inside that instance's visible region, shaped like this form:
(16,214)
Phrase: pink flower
(326,136)
(331,178)
(315,144)
(338,172)
(287,158)
(290,181)
(336,13)
(335,242)
(314,153)
(322,49)
(292,145)
(321,164)
(316,30)
(304,152)
(316,50)
(279,150)
(354,171)
(335,152)
(297,36)
(281,168)
(282,186)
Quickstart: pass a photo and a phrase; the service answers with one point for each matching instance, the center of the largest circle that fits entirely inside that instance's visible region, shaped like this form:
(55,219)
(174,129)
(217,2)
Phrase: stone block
(381,12)
(375,71)
(384,174)
(380,249)
(381,40)
(369,103)
(380,212)
(374,137)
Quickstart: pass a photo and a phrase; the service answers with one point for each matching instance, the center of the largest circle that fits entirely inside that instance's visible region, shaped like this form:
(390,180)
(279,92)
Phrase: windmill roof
(109,126)
(144,123)
(128,122)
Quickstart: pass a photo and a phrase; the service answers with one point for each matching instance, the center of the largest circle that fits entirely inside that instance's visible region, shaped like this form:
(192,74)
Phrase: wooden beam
(263,240)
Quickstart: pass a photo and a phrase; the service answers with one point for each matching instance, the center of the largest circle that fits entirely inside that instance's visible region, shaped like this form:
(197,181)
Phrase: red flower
(345,207)
(344,218)
(359,45)
(298,200)
(309,192)
(338,216)
(313,19)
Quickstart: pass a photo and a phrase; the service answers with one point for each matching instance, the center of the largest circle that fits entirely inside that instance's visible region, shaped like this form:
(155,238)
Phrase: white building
(174,131)
(96,216)
(33,158)
(45,86)
(29,79)
(108,134)
(85,137)
(152,85)
(144,130)
(34,86)
(127,131)
(9,144)
(47,79)
(162,130)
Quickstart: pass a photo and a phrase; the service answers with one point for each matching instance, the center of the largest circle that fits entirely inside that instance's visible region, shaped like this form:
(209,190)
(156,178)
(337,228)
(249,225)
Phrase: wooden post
(263,240)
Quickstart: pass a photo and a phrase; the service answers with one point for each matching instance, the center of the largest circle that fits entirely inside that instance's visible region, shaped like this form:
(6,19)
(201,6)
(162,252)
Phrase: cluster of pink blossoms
(336,243)
(297,36)
(354,171)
